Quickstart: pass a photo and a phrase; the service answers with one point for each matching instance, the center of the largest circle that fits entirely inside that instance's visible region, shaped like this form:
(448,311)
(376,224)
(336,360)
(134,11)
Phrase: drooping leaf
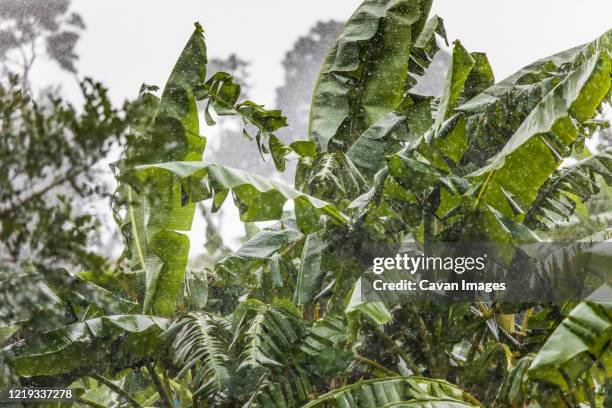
(551,127)
(495,114)
(257,198)
(555,200)
(310,274)
(222,93)
(581,340)
(199,341)
(419,391)
(368,150)
(370,55)
(109,342)
(575,100)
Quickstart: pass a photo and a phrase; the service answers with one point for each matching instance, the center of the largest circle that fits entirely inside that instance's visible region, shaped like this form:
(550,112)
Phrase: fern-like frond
(334,176)
(199,344)
(266,333)
(556,198)
(281,391)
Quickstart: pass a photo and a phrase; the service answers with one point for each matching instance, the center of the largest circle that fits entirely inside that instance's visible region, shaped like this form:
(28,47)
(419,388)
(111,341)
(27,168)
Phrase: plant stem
(152,400)
(427,341)
(116,389)
(166,384)
(473,347)
(376,365)
(409,362)
(88,402)
(180,388)
(428,230)
(429,219)
(483,190)
(165,398)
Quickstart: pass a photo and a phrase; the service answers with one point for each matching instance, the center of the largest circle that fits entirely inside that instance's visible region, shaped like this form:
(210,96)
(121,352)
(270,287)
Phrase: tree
(302,64)
(283,321)
(49,154)
(32,29)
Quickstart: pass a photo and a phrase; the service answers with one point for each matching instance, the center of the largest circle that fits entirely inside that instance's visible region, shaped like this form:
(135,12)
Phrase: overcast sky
(128,42)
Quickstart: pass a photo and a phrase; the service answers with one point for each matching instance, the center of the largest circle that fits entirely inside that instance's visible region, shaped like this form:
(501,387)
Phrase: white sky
(128,42)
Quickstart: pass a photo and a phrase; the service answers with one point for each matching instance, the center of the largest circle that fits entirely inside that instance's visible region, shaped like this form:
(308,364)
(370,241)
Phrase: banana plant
(484,161)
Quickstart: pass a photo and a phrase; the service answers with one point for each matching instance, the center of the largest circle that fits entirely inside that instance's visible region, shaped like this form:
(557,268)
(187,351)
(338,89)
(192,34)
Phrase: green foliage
(582,339)
(369,60)
(401,391)
(257,198)
(282,321)
(556,199)
(198,342)
(153,245)
(105,343)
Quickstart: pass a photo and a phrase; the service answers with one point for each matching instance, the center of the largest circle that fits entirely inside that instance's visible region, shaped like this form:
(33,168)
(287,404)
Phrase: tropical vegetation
(280,322)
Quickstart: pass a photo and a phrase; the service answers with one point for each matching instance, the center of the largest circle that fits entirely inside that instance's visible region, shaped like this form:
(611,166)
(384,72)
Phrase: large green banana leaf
(460,68)
(532,118)
(364,75)
(95,345)
(496,114)
(551,127)
(428,403)
(257,198)
(533,73)
(582,339)
(155,245)
(310,273)
(419,391)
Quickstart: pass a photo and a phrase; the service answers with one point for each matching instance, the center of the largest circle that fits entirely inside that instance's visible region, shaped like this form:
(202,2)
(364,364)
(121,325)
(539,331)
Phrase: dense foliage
(280,322)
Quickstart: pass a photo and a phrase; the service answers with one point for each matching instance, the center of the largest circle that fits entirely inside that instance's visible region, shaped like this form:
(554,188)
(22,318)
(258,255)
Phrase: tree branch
(55,183)
(376,365)
(426,340)
(116,389)
(409,362)
(165,398)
